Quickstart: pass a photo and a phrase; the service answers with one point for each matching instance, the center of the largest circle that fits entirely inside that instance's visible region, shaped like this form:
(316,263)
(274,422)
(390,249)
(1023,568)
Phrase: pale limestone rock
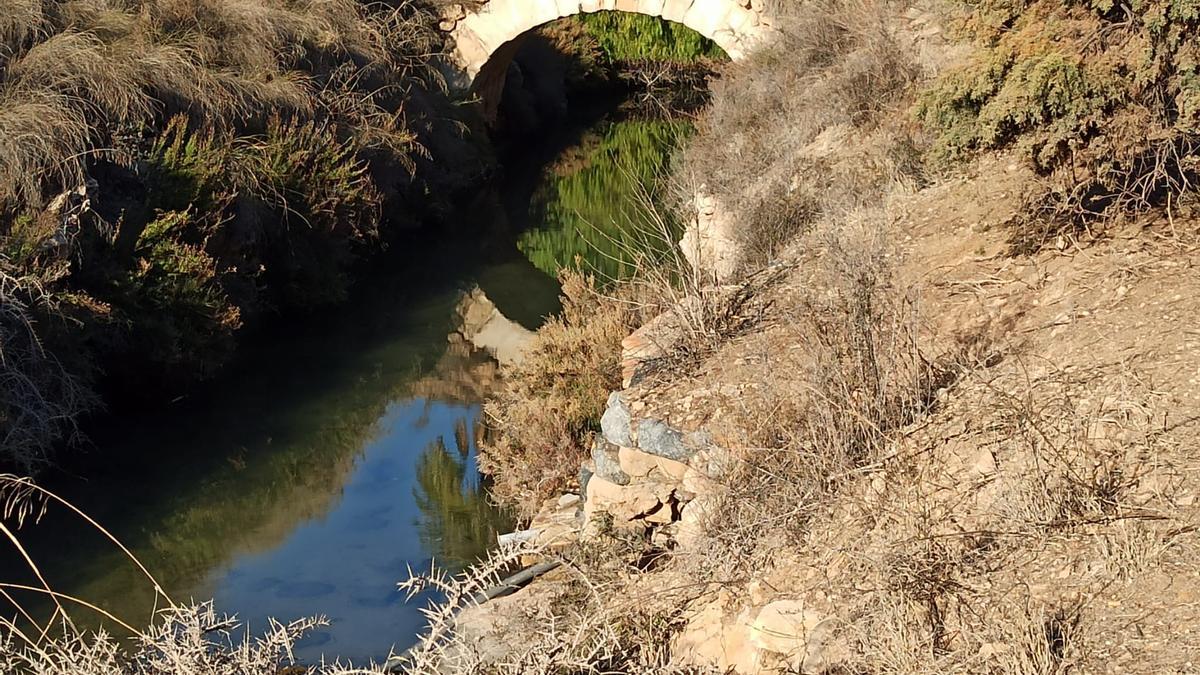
(615,423)
(709,242)
(635,463)
(803,636)
(478,33)
(692,518)
(626,503)
(715,639)
(698,482)
(670,468)
(985,463)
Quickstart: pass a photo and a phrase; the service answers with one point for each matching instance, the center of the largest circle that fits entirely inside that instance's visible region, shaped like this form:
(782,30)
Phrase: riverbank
(936,418)
(180,172)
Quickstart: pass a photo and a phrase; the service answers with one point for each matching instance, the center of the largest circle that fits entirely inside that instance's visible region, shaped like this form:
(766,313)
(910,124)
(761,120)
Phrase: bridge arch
(485,39)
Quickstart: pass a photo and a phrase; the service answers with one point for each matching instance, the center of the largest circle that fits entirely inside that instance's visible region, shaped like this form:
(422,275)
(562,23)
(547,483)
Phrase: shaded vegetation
(626,36)
(213,161)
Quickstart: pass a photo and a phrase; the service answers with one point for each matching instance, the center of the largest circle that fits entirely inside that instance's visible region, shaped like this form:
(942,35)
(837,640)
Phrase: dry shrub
(805,125)
(1102,98)
(77,75)
(857,373)
(39,399)
(542,418)
(1004,570)
(591,618)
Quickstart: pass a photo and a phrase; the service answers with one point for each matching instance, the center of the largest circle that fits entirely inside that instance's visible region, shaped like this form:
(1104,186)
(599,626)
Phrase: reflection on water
(340,452)
(592,200)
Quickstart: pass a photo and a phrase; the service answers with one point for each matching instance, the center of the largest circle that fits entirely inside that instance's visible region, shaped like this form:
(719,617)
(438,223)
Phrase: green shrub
(184,321)
(325,206)
(1102,99)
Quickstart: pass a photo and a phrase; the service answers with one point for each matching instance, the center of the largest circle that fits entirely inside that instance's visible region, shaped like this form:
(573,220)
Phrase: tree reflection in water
(458,519)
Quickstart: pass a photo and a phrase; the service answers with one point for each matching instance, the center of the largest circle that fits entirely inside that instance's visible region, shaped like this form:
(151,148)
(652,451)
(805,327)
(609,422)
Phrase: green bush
(1104,99)
(183,318)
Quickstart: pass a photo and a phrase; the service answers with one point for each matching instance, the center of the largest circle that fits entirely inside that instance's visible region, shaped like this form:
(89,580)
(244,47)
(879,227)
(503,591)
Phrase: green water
(339,451)
(593,201)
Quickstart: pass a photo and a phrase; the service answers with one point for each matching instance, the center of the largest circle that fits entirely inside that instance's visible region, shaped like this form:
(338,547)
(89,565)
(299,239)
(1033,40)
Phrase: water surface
(341,450)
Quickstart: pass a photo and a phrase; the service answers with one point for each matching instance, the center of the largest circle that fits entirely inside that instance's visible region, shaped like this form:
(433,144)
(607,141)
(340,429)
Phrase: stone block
(707,16)
(625,503)
(671,469)
(650,7)
(674,10)
(607,463)
(656,438)
(615,422)
(568,7)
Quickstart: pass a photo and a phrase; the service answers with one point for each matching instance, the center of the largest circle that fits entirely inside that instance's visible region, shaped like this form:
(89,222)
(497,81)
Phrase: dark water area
(341,450)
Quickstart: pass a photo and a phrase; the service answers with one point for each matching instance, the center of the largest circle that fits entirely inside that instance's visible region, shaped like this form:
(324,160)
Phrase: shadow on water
(338,451)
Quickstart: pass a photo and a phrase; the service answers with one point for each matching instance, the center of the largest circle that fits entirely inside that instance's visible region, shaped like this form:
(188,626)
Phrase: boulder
(615,424)
(607,463)
(670,468)
(803,636)
(626,503)
(659,439)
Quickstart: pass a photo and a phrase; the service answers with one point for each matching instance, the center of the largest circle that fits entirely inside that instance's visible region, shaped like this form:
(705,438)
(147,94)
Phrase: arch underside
(479,35)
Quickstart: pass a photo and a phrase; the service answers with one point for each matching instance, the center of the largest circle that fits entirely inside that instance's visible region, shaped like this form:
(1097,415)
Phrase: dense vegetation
(623,36)
(1102,98)
(172,170)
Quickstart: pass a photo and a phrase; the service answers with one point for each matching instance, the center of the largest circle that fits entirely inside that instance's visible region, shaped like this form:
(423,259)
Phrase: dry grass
(843,367)
(542,419)
(76,78)
(592,617)
(822,134)
(39,399)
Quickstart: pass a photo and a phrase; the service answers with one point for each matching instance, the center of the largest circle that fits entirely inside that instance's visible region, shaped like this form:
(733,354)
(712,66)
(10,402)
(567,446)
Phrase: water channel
(329,459)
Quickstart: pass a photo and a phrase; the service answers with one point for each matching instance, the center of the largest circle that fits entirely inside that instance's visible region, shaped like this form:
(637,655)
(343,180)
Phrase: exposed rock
(626,503)
(636,463)
(615,423)
(717,636)
(708,242)
(803,636)
(671,469)
(692,515)
(659,439)
(555,525)
(585,475)
(607,463)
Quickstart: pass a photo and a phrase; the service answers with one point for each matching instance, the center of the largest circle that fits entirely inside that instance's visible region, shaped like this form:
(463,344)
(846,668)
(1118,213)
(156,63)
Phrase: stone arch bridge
(487,38)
